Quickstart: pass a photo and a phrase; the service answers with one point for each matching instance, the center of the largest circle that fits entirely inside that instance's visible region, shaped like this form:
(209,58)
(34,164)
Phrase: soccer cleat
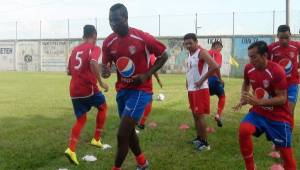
(140,126)
(143,167)
(218,120)
(201,146)
(195,141)
(71,156)
(96,143)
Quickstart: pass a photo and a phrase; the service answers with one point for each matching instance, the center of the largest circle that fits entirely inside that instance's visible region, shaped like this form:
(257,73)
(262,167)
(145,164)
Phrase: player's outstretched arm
(245,87)
(106,60)
(140,79)
(158,64)
(96,71)
(158,79)
(212,65)
(219,75)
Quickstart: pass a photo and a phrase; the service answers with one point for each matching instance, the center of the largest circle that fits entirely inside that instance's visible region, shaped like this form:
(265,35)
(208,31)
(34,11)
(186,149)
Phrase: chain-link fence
(234,23)
(45,45)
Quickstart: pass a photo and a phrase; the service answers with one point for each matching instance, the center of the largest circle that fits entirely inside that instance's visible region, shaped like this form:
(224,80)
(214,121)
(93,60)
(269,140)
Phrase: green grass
(36,118)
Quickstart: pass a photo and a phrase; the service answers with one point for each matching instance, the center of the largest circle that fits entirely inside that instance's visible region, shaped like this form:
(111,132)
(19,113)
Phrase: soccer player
(84,69)
(285,52)
(129,49)
(269,113)
(200,66)
(148,108)
(215,82)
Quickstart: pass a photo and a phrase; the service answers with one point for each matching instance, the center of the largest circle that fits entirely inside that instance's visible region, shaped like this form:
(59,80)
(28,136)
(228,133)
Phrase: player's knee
(245,130)
(122,136)
(222,97)
(102,107)
(102,110)
(82,118)
(124,131)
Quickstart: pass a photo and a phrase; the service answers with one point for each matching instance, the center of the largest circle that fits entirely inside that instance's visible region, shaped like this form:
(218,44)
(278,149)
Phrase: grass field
(36,118)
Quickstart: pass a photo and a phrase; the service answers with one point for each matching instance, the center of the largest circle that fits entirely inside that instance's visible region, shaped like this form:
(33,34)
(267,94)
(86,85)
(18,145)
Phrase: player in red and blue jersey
(285,52)
(83,68)
(269,113)
(129,49)
(215,82)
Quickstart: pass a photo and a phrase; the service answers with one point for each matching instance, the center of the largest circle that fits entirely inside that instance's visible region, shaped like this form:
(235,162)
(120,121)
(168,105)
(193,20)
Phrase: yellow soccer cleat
(96,143)
(71,156)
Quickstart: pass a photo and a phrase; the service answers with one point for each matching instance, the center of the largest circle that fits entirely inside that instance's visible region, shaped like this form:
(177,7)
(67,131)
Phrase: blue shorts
(83,105)
(293,93)
(280,133)
(132,103)
(215,86)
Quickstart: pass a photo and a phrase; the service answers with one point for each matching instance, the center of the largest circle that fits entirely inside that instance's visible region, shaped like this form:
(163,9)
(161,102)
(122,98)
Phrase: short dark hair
(190,36)
(261,46)
(283,28)
(88,31)
(214,44)
(120,7)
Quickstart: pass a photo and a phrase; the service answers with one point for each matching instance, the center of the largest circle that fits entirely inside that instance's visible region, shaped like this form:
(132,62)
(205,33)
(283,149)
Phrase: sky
(176,17)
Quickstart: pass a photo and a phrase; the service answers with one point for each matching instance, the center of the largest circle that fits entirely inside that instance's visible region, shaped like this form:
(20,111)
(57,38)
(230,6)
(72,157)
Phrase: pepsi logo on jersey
(287,65)
(261,93)
(125,66)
